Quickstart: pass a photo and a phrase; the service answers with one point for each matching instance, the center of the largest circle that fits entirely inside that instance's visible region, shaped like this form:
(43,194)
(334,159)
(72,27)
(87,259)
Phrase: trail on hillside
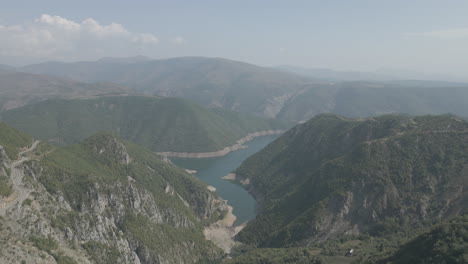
(16,177)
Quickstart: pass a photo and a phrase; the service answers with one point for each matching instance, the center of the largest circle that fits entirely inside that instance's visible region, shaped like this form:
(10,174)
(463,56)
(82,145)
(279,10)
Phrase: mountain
(447,243)
(381,75)
(103,200)
(268,92)
(212,82)
(161,124)
(333,75)
(334,176)
(365,99)
(18,89)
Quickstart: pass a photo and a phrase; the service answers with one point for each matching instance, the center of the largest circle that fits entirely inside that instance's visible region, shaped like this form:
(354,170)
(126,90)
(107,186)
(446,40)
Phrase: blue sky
(417,35)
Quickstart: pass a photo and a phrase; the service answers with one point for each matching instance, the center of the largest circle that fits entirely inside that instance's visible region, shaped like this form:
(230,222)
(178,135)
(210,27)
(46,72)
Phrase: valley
(234,132)
(217,161)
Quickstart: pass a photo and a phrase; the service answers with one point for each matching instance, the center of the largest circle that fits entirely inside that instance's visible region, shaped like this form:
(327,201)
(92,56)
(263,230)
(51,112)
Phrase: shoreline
(239,145)
(222,232)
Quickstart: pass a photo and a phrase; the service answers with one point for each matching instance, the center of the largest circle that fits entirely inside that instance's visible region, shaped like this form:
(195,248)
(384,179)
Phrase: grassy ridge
(11,140)
(161,124)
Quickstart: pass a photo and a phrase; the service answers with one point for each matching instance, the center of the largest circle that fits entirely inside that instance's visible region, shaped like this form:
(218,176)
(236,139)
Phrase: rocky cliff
(104,201)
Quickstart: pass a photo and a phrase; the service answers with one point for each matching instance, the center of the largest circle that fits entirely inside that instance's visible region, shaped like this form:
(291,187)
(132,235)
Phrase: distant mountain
(6,68)
(104,200)
(213,82)
(365,99)
(161,124)
(18,89)
(378,75)
(334,75)
(333,176)
(268,92)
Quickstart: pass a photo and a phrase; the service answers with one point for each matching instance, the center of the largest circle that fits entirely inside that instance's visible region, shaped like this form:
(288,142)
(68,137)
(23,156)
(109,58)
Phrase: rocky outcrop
(124,220)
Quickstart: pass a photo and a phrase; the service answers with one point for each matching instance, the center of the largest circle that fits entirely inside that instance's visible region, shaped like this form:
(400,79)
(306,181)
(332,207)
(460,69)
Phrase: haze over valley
(242,132)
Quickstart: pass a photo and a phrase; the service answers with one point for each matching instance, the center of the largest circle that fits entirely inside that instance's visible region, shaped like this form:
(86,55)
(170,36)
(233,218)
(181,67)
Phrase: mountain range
(160,124)
(264,91)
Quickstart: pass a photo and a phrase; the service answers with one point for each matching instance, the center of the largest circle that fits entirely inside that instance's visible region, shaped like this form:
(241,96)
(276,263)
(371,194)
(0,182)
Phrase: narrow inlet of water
(211,170)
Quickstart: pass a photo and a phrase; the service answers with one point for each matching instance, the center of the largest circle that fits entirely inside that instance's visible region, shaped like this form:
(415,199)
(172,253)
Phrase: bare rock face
(123,220)
(109,147)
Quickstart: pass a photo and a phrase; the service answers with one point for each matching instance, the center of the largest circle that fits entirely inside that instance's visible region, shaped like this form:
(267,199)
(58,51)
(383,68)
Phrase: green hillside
(447,243)
(161,124)
(106,200)
(332,176)
(11,140)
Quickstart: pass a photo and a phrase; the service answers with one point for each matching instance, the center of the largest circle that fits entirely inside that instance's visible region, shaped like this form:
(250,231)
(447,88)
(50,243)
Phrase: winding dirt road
(17,180)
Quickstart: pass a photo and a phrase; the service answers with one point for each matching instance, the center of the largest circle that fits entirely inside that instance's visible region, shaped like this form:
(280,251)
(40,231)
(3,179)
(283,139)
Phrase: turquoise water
(211,170)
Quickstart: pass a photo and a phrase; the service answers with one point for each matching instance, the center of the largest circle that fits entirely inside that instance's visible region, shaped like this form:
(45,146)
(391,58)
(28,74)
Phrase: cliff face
(333,176)
(106,201)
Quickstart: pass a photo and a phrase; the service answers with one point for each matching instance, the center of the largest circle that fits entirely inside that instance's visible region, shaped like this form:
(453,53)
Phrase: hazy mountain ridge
(365,99)
(332,176)
(383,75)
(103,201)
(212,82)
(161,124)
(18,89)
(268,92)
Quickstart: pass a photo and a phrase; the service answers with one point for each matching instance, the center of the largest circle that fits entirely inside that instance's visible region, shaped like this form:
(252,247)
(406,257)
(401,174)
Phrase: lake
(211,170)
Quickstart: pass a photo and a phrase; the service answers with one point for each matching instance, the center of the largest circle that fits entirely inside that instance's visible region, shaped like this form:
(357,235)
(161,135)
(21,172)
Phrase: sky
(426,36)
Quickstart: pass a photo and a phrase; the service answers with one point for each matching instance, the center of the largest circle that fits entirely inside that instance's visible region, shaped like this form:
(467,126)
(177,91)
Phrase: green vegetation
(5,186)
(167,124)
(27,202)
(276,256)
(100,253)
(105,161)
(447,243)
(47,244)
(11,140)
(380,175)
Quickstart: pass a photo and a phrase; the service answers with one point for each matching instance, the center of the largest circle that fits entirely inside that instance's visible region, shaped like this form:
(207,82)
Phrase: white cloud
(58,22)
(52,37)
(446,33)
(145,38)
(178,40)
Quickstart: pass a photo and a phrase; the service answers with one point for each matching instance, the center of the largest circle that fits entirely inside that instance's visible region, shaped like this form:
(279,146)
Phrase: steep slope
(333,176)
(161,124)
(447,243)
(213,82)
(103,201)
(18,89)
